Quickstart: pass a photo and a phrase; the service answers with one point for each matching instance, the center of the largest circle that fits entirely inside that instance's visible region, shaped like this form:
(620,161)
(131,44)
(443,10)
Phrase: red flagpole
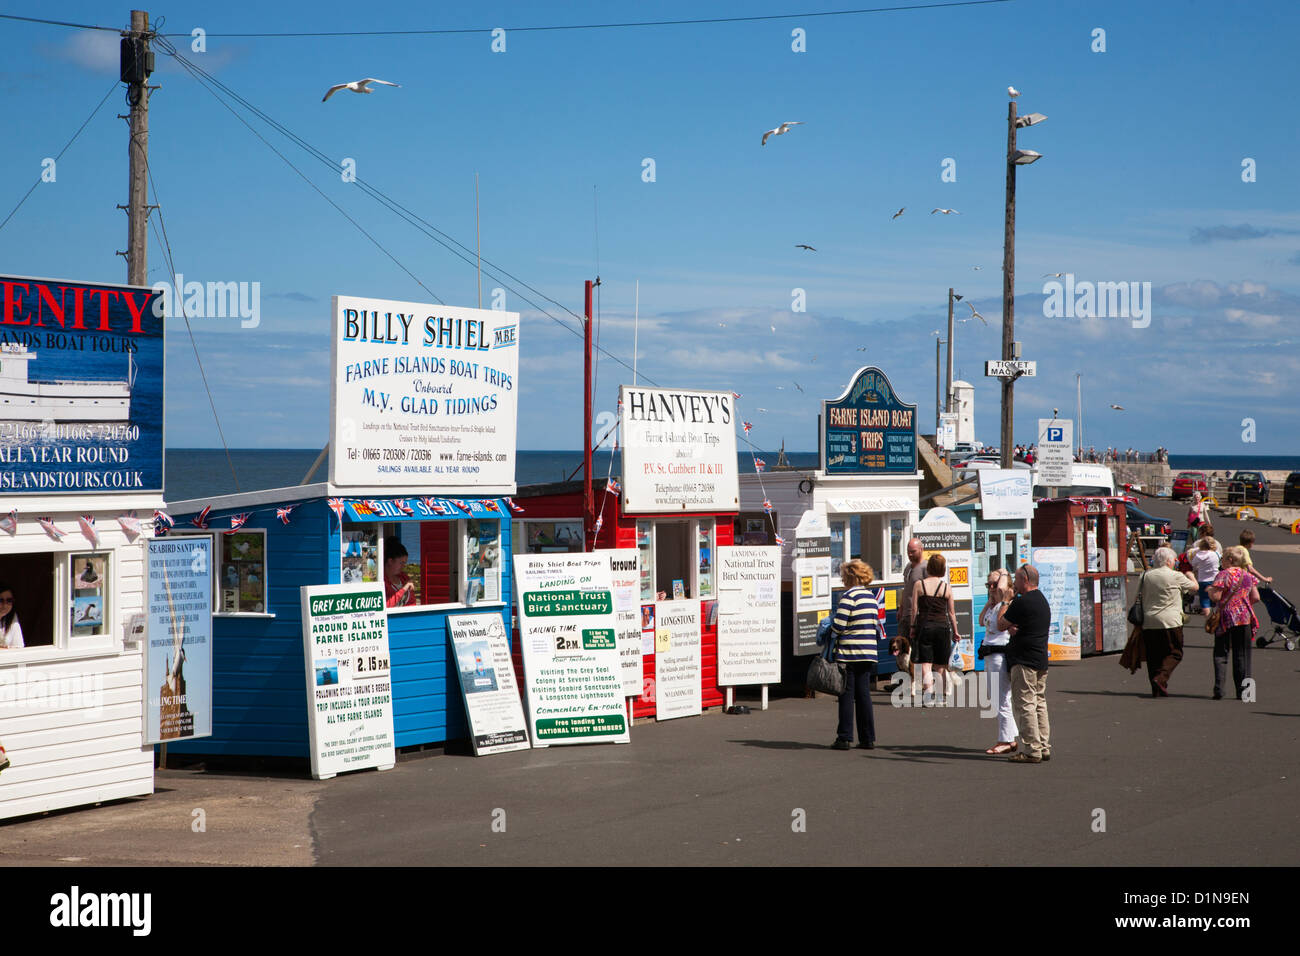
(588,498)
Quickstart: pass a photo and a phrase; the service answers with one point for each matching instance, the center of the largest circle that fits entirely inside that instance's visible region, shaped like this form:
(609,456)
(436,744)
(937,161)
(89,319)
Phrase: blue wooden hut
(271,543)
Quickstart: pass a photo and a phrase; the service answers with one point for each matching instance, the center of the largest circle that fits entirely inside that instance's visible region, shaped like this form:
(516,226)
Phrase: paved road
(1183,781)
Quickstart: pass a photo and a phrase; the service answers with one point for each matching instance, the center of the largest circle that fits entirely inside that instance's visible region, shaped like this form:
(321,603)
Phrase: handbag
(825,676)
(1136,612)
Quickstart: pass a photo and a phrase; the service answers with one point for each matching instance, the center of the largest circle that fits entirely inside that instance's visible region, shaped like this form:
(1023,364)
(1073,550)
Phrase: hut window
(704,557)
(645,544)
(549,537)
(28,576)
(359,561)
(482,561)
(90,597)
(242,585)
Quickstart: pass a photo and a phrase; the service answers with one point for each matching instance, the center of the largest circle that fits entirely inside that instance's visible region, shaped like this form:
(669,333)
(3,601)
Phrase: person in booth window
(11,633)
(398,589)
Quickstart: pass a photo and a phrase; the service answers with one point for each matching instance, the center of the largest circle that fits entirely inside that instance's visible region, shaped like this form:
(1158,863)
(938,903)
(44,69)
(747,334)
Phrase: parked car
(1248,486)
(1144,523)
(1291,490)
(1188,483)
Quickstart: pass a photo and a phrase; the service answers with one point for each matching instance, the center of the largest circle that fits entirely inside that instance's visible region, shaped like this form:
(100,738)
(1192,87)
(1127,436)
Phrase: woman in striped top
(856,627)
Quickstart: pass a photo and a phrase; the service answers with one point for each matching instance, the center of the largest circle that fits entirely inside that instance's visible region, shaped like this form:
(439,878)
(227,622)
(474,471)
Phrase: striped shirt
(856,625)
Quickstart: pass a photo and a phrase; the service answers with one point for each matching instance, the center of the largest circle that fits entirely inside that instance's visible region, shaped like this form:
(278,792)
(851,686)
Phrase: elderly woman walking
(1161,592)
(856,627)
(1233,593)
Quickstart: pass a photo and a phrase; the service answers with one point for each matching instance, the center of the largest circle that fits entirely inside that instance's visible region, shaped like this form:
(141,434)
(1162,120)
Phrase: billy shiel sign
(81,388)
(423,396)
(349,693)
(625,567)
(679,450)
(487,683)
(567,626)
(749,615)
(178,626)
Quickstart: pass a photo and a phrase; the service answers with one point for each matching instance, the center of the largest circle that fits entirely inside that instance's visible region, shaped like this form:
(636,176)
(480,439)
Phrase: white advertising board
(947,436)
(1055,452)
(350,700)
(749,615)
(567,626)
(1006,493)
(679,450)
(487,683)
(625,568)
(178,622)
(677,660)
(423,396)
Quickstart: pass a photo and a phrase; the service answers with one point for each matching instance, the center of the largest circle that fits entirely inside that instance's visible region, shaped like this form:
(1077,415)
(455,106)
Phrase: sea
(206,472)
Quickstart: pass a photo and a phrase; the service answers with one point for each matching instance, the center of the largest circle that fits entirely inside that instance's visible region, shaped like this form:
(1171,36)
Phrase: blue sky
(1141,181)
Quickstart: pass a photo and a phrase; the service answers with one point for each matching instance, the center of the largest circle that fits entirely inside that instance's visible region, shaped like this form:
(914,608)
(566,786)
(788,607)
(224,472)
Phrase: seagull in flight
(862,348)
(897,214)
(783,128)
(946,212)
(801,245)
(798,386)
(976,315)
(1118,408)
(1012,92)
(761,409)
(1053,275)
(977,268)
(357,86)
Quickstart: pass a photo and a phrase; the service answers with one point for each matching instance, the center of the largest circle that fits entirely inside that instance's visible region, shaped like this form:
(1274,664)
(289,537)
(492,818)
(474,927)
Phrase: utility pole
(136,65)
(588,498)
(1008,289)
(938,404)
(947,404)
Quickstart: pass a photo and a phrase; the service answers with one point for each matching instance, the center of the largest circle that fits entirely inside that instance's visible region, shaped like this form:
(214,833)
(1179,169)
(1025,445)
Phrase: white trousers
(998,678)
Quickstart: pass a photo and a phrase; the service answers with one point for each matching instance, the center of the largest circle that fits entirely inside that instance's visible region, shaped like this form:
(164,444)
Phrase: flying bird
(946,212)
(798,386)
(897,214)
(357,86)
(801,245)
(761,409)
(862,348)
(1012,92)
(783,128)
(1053,275)
(1118,408)
(976,314)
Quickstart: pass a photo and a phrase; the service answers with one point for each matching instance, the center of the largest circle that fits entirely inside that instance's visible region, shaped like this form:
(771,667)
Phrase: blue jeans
(857,697)
(1204,594)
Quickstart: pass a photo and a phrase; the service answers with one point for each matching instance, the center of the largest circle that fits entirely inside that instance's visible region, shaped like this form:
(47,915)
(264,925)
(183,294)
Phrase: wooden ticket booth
(1097,529)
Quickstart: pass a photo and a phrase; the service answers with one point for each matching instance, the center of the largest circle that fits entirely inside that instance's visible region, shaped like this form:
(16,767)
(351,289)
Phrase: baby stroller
(1286,623)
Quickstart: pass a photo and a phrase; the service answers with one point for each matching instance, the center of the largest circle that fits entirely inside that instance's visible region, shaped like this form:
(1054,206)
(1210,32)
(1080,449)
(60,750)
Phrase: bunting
(747,426)
(404,507)
(613,487)
(200,520)
(238,521)
(759,465)
(283,513)
(10,523)
(87,524)
(767,505)
(130,525)
(336,506)
(510,503)
(162,523)
(48,524)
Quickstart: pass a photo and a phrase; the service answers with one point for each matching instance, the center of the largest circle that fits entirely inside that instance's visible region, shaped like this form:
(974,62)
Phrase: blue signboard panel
(81,388)
(868,430)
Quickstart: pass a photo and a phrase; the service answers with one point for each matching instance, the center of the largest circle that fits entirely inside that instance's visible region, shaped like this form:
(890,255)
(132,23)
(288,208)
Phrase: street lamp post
(938,402)
(948,404)
(1015,157)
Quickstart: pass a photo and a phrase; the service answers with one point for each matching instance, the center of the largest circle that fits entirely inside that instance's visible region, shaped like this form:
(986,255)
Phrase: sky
(633,153)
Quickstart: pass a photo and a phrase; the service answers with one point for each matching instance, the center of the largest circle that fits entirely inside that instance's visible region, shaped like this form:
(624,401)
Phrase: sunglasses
(7,600)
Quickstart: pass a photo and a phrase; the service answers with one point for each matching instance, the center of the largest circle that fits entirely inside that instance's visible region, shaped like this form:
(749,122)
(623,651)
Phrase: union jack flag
(736,396)
(613,487)
(337,505)
(779,540)
(237,521)
(462,506)
(600,521)
(283,513)
(373,505)
(747,426)
(200,520)
(87,523)
(767,505)
(510,503)
(490,505)
(404,507)
(50,529)
(10,523)
(759,464)
(162,523)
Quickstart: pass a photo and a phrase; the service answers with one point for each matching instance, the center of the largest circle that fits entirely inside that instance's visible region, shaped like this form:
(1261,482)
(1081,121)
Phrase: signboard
(625,569)
(81,388)
(349,694)
(679,450)
(868,430)
(811,567)
(178,629)
(487,683)
(749,615)
(678,692)
(1055,463)
(567,625)
(1009,368)
(942,532)
(423,396)
(947,435)
(1006,493)
(1058,579)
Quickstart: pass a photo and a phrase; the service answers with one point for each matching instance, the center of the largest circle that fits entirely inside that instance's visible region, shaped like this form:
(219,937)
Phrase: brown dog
(901,648)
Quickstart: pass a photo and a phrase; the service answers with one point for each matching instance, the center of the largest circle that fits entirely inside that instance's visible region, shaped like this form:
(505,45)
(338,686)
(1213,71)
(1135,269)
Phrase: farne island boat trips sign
(868,429)
(81,387)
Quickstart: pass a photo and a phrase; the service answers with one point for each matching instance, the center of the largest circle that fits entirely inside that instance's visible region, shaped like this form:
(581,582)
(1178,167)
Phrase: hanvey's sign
(868,430)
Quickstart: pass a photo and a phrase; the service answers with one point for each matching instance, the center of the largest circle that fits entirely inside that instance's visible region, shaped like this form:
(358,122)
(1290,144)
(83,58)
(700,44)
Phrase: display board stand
(730,699)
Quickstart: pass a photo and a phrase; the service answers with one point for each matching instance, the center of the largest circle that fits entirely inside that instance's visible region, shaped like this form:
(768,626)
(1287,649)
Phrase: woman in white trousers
(996,672)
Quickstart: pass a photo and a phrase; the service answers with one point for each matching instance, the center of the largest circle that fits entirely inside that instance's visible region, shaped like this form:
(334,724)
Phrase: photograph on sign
(679,450)
(573,675)
(81,387)
(178,627)
(487,683)
(749,615)
(349,694)
(422,396)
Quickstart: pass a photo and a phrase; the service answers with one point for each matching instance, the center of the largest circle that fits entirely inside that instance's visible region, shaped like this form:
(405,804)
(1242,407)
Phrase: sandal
(1001,748)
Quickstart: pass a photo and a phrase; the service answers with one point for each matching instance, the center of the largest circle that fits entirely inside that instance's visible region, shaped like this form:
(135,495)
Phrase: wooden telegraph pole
(1009,289)
(136,65)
